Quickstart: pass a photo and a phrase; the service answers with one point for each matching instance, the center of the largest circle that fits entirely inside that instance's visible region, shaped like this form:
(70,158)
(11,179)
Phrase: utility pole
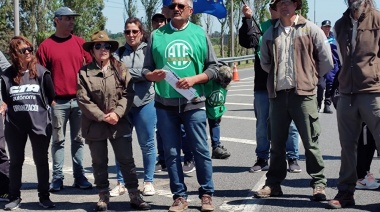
(315,20)
(232,30)
(16,16)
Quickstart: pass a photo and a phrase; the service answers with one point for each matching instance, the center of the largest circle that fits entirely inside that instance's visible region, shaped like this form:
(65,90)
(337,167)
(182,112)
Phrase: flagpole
(16,17)
(232,30)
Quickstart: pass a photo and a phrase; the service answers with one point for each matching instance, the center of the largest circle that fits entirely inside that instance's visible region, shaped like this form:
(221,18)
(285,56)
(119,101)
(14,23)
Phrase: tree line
(36,19)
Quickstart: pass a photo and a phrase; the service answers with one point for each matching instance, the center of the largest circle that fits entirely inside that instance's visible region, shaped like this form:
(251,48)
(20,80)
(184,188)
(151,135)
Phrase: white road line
(239,118)
(240,90)
(241,85)
(254,204)
(238,140)
(67,170)
(238,104)
(251,95)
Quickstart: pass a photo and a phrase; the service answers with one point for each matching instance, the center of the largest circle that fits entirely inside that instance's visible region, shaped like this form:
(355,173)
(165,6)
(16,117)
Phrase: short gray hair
(191,3)
(371,3)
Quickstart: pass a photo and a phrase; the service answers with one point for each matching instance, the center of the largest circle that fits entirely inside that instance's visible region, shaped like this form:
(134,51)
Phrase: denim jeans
(261,107)
(63,111)
(187,154)
(194,121)
(122,148)
(160,148)
(16,141)
(144,119)
(214,128)
(186,148)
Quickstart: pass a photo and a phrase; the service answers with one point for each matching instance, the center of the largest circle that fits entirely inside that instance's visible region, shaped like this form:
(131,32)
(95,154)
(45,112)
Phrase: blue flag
(212,7)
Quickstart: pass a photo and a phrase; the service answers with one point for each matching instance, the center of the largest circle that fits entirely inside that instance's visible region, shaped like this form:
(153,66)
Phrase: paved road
(233,183)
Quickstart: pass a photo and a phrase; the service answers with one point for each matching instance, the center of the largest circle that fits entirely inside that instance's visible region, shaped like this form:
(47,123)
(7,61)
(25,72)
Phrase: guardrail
(230,60)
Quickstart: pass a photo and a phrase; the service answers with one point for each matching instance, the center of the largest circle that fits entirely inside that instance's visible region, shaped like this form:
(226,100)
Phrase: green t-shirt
(215,99)
(183,51)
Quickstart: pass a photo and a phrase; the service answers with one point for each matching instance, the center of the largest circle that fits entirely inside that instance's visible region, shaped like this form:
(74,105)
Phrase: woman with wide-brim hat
(105,95)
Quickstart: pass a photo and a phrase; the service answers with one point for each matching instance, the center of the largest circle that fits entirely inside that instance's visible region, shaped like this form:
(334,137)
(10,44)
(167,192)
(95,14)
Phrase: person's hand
(156,75)
(247,12)
(53,103)
(111,118)
(185,83)
(3,108)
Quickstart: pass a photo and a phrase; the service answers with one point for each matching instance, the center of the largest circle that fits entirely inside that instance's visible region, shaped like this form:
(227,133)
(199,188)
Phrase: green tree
(305,8)
(6,24)
(151,6)
(130,8)
(91,19)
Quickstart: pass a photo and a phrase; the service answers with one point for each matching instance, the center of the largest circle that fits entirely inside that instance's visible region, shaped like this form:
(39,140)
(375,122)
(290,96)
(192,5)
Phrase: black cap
(158,15)
(326,23)
(65,11)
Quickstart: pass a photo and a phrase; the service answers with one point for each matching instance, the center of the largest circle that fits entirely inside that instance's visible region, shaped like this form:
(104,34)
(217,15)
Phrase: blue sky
(324,9)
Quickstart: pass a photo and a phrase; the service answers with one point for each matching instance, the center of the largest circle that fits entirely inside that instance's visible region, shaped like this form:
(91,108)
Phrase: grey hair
(370,3)
(191,3)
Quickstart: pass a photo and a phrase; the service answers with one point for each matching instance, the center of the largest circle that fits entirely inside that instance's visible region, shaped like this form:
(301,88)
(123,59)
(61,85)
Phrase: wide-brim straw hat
(100,36)
(299,3)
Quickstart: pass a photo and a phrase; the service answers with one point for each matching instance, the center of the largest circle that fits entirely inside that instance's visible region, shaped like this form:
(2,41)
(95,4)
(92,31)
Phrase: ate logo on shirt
(28,88)
(216,98)
(178,54)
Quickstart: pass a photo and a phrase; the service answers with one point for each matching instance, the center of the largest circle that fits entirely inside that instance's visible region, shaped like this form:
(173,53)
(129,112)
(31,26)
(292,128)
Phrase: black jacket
(249,37)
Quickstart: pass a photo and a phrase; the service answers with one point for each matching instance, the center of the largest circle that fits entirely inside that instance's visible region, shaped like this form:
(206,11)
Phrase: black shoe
(327,109)
(13,204)
(260,165)
(45,202)
(160,166)
(220,152)
(188,167)
(293,166)
(137,202)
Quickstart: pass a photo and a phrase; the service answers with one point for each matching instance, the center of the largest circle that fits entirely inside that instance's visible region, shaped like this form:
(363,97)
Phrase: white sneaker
(118,190)
(368,182)
(148,189)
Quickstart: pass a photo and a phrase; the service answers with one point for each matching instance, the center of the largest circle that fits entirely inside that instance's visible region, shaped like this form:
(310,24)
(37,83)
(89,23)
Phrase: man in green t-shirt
(184,49)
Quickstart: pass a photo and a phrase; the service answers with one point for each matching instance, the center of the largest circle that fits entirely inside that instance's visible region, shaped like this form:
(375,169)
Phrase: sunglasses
(174,5)
(134,31)
(106,46)
(23,50)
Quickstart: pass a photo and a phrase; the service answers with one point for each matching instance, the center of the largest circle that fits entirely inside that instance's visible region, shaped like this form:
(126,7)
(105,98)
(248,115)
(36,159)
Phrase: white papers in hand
(172,78)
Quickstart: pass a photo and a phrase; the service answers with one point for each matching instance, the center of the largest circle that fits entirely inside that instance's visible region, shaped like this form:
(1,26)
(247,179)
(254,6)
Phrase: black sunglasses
(180,6)
(23,50)
(106,46)
(134,31)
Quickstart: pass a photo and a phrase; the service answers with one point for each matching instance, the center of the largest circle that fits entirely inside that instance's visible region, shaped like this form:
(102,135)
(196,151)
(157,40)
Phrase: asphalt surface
(234,185)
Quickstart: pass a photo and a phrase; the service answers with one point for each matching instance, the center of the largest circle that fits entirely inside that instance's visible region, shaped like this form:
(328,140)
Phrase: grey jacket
(134,60)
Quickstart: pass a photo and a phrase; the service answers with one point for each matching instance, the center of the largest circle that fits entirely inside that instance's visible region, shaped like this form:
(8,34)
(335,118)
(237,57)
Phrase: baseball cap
(326,23)
(158,15)
(65,11)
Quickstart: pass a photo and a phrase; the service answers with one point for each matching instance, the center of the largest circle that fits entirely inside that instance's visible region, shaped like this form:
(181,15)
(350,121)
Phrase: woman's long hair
(16,61)
(134,20)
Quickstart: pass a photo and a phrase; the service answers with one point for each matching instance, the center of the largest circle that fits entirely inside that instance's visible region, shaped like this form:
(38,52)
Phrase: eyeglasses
(174,5)
(23,50)
(106,46)
(134,31)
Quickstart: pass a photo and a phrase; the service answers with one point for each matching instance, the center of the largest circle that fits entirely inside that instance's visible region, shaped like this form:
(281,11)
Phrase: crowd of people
(109,89)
